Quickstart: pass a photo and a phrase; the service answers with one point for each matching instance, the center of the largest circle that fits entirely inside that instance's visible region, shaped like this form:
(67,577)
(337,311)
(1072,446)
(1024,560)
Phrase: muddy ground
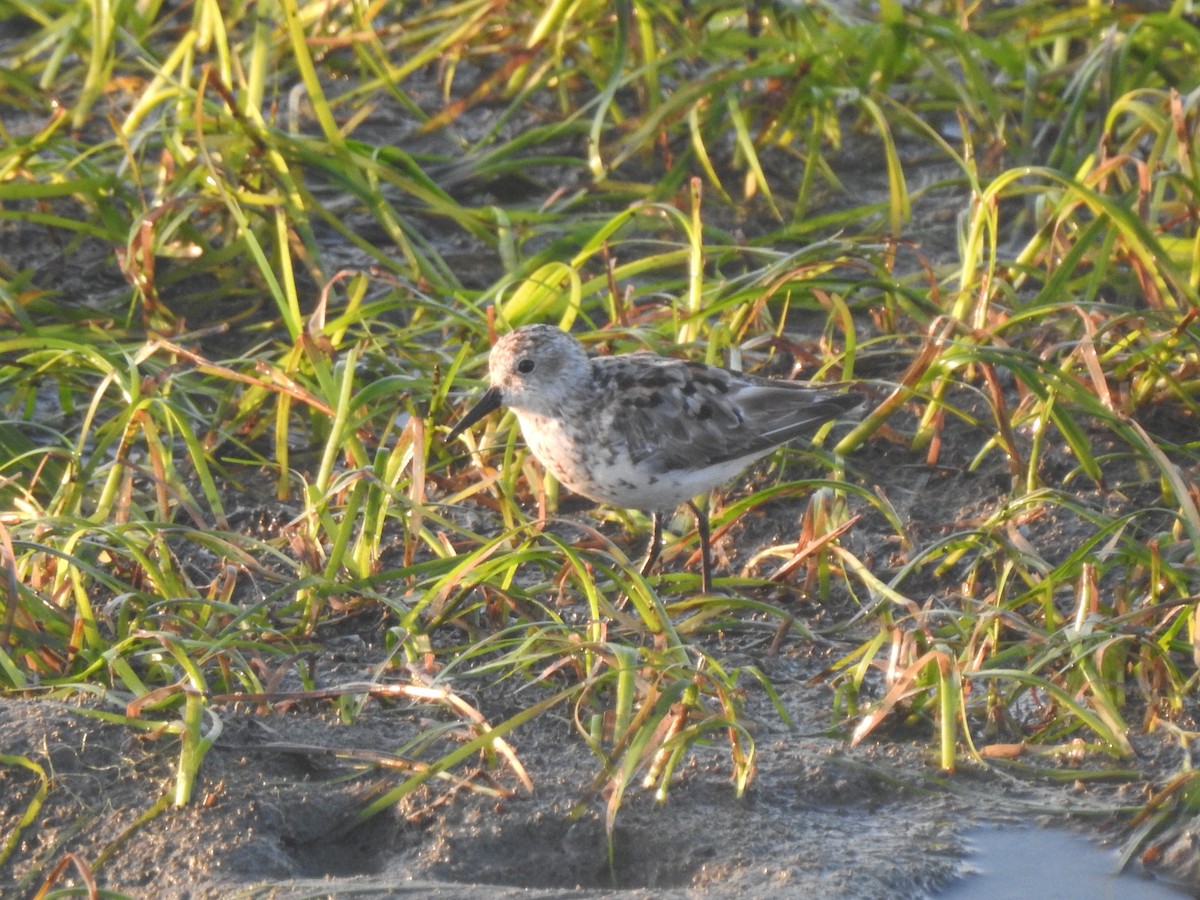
(821,819)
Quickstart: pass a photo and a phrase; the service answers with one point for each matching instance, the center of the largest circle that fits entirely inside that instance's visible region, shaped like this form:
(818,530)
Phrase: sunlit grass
(304,225)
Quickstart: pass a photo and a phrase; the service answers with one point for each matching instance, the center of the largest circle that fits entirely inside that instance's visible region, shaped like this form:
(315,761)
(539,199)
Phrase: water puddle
(1018,863)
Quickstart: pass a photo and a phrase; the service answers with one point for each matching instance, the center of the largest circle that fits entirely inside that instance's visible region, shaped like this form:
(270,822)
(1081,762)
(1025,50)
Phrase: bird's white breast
(598,466)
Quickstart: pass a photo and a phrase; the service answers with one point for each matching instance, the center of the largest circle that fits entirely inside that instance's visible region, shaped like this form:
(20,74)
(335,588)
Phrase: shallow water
(1019,863)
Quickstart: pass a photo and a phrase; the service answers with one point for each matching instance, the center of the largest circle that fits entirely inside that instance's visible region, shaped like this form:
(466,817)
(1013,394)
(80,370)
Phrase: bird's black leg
(655,547)
(705,549)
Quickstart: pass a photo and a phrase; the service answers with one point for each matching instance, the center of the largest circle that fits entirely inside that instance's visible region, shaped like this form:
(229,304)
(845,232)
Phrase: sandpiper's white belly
(599,466)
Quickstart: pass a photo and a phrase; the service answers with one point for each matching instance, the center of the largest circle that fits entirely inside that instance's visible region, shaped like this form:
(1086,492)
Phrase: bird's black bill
(489,402)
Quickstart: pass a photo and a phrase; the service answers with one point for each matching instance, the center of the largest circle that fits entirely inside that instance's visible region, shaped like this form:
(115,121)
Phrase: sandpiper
(642,431)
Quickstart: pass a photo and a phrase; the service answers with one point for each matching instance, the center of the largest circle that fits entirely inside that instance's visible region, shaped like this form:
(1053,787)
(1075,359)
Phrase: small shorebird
(642,431)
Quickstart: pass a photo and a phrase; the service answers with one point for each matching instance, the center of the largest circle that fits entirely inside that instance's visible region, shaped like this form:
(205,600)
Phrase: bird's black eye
(525,366)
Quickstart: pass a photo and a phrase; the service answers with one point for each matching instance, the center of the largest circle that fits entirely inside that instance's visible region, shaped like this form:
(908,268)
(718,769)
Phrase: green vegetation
(251,254)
